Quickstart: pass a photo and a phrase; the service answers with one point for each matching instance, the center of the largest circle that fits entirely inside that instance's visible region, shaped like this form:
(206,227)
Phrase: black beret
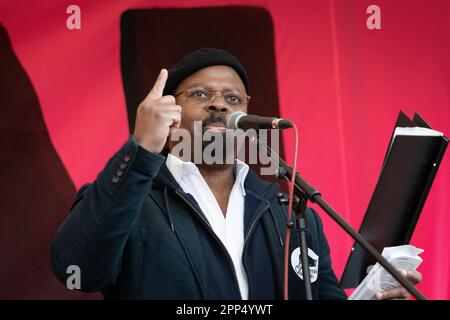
(200,59)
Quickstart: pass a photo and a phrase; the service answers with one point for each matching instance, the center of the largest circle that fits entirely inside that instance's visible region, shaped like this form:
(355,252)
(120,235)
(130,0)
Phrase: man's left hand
(400,292)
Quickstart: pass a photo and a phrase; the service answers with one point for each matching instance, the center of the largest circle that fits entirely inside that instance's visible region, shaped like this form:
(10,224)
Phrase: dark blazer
(136,235)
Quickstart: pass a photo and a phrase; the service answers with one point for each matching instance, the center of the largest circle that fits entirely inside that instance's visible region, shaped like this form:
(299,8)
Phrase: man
(152,226)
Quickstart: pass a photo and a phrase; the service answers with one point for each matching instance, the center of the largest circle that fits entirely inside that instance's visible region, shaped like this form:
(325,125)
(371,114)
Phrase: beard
(207,142)
(217,144)
(215,119)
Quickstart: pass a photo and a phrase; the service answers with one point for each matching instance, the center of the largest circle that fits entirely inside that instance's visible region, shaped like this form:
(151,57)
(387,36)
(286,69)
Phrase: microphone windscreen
(234,118)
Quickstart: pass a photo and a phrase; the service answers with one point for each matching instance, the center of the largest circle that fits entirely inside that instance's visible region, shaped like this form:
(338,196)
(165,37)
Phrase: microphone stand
(302,187)
(299,207)
(300,225)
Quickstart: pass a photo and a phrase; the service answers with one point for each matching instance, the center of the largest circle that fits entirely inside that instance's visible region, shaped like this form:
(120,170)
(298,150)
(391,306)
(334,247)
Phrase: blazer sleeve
(94,233)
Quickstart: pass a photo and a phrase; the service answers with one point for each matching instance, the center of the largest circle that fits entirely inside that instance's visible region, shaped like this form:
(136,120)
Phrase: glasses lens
(201,95)
(233,99)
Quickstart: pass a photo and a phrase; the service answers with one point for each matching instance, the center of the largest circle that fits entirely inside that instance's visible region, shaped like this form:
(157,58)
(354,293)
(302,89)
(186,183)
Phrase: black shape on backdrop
(407,174)
(155,38)
(36,190)
(152,39)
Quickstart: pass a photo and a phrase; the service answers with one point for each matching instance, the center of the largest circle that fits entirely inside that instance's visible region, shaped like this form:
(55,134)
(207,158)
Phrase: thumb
(158,88)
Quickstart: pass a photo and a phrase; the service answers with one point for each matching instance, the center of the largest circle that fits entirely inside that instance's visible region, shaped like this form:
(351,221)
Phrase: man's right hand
(157,117)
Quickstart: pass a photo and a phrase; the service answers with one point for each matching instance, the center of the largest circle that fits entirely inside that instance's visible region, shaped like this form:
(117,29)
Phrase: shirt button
(123,165)
(115,179)
(127,158)
(119,173)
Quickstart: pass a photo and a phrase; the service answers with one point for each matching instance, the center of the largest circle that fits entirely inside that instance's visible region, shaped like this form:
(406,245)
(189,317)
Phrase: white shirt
(230,228)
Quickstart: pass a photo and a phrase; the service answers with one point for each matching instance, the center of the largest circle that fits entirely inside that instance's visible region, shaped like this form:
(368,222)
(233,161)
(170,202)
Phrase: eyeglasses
(204,96)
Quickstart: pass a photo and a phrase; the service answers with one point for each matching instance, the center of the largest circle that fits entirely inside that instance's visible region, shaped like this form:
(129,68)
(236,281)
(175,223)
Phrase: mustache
(215,118)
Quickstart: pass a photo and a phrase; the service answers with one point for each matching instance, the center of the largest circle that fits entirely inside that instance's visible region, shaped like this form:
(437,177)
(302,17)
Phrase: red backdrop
(342,83)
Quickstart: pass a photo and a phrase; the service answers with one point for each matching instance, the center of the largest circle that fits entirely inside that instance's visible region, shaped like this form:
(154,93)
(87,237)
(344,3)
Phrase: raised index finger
(158,88)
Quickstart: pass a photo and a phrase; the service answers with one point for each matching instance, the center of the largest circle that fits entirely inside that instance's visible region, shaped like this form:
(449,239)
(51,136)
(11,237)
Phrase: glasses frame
(213,96)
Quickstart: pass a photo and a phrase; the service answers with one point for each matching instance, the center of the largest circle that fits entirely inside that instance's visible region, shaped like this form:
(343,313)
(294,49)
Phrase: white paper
(378,279)
(416,131)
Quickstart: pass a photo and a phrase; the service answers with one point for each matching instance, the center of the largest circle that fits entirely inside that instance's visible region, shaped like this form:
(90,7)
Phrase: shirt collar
(180,169)
(241,173)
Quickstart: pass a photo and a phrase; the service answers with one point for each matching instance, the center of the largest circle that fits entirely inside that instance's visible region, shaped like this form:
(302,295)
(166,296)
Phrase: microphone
(241,120)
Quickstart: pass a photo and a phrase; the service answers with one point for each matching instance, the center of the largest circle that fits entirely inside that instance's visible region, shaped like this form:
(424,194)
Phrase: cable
(288,230)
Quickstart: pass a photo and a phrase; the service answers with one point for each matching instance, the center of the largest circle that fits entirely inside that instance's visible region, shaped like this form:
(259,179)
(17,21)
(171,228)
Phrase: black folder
(408,170)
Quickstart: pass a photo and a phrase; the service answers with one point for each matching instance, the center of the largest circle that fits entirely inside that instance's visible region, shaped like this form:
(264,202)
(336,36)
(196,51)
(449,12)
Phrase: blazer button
(123,165)
(127,158)
(115,179)
(119,173)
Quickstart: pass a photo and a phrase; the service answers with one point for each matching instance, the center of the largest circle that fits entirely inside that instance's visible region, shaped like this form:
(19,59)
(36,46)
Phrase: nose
(218,105)
(219,108)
